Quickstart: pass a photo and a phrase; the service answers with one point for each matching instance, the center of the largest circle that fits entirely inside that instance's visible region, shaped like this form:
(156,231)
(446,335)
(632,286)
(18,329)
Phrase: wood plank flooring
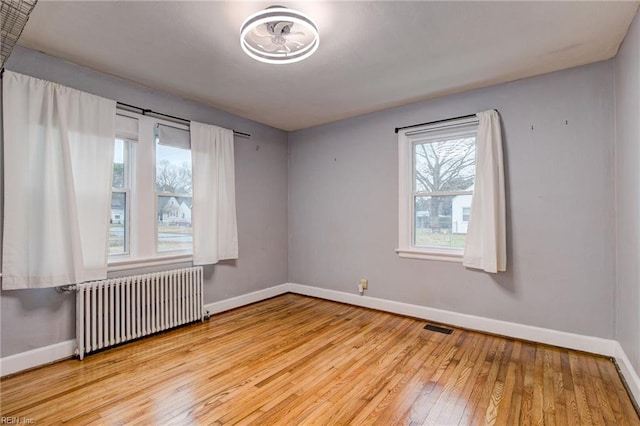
(297,360)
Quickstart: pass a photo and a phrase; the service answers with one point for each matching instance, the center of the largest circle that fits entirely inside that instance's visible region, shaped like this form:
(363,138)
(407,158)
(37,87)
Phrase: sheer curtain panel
(215,230)
(58,156)
(486,246)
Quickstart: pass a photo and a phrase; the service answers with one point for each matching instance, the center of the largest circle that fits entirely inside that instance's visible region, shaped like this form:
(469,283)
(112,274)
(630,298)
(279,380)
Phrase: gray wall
(342,205)
(558,144)
(36,318)
(627,89)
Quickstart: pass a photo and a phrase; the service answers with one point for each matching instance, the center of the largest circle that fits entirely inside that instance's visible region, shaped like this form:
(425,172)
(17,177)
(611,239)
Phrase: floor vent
(438,329)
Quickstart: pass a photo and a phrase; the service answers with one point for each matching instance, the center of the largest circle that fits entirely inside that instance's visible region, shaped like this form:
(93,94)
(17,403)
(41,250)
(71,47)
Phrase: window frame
(142,221)
(176,195)
(126,190)
(407,139)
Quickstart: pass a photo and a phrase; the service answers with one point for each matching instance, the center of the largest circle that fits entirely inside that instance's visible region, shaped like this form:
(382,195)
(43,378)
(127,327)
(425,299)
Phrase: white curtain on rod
(58,161)
(486,246)
(215,229)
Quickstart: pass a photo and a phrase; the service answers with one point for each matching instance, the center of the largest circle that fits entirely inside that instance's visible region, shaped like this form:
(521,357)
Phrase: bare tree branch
(173,178)
(442,167)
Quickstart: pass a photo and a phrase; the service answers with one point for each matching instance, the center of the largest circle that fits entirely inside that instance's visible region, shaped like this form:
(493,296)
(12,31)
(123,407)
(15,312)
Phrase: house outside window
(436,178)
(150,221)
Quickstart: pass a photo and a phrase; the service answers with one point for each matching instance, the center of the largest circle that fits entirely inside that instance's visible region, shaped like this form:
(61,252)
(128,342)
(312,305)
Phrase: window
(466,211)
(437,174)
(173,189)
(118,224)
(151,203)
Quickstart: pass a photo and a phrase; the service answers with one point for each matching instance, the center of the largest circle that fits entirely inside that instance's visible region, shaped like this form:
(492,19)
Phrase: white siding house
(460,211)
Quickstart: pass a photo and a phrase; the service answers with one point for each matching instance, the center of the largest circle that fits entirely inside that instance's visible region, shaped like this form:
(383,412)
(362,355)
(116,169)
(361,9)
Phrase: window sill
(443,255)
(125,264)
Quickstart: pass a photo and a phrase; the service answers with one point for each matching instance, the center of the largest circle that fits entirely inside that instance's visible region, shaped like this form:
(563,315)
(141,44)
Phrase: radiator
(113,311)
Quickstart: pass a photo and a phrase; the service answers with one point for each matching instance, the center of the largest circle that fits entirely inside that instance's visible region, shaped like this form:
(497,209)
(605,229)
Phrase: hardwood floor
(298,360)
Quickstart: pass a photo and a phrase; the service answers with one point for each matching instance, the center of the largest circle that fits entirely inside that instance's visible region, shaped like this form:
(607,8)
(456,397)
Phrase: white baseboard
(36,357)
(595,345)
(246,299)
(563,339)
(628,372)
(48,354)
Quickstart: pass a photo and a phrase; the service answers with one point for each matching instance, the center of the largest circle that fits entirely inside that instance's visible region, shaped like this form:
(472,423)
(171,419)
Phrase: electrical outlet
(364,283)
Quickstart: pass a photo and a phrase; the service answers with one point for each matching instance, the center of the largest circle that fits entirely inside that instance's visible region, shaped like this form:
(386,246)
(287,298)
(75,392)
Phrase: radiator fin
(113,311)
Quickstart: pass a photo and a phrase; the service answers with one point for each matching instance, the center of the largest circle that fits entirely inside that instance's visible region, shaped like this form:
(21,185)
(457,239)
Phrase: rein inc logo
(4,420)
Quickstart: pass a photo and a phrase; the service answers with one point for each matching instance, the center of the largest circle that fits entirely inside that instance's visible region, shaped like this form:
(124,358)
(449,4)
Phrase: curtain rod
(436,121)
(145,111)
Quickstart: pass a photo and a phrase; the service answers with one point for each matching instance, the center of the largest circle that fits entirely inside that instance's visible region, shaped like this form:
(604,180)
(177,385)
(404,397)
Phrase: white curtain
(215,230)
(486,246)
(58,160)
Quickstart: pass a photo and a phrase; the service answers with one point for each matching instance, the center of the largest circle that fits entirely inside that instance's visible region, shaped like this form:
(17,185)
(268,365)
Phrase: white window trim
(406,249)
(124,264)
(168,253)
(444,255)
(144,255)
(127,191)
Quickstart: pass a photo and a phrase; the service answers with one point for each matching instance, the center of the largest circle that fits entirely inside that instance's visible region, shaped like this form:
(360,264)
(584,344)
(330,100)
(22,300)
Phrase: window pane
(439,221)
(118,164)
(466,212)
(118,224)
(174,223)
(173,170)
(447,165)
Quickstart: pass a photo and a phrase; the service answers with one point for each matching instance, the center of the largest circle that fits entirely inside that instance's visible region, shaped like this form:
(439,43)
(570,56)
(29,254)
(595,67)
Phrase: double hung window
(173,189)
(119,219)
(120,196)
(437,175)
(151,204)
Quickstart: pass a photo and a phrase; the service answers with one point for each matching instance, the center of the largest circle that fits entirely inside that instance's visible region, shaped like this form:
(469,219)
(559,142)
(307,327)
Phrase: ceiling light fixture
(278,35)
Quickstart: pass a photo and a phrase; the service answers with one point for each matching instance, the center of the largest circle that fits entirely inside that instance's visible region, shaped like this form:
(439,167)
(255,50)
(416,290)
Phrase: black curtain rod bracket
(145,111)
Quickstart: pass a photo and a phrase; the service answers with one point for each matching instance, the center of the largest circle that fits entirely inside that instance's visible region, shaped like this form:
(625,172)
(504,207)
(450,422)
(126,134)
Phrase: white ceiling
(372,55)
